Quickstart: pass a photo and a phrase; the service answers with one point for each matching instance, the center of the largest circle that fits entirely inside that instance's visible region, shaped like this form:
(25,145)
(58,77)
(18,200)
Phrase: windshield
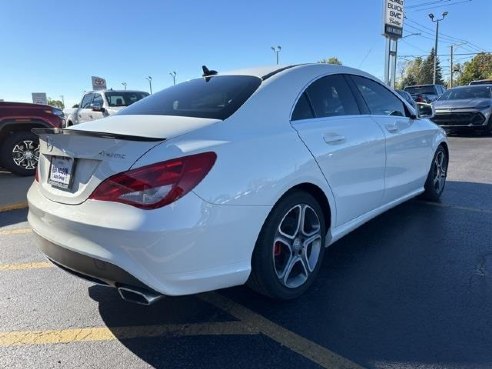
(213,97)
(425,90)
(475,92)
(124,98)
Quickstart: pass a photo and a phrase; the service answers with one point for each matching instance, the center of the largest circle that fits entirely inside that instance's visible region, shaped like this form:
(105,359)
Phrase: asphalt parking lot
(410,289)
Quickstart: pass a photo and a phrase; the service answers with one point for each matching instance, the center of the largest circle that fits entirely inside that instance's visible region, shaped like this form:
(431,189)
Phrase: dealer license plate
(61,172)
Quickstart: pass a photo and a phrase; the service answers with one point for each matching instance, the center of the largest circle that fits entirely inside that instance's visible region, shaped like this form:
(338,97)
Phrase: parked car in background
(238,177)
(19,147)
(481,82)
(466,107)
(425,93)
(99,104)
(408,98)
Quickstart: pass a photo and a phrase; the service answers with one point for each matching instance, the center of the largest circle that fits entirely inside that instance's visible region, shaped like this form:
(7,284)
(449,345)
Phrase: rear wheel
(290,247)
(20,153)
(436,179)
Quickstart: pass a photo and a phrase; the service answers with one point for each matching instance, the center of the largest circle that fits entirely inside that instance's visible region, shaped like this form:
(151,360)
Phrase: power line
(444,55)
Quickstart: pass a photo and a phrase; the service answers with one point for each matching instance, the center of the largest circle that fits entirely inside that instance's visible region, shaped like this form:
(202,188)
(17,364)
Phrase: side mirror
(425,110)
(97,107)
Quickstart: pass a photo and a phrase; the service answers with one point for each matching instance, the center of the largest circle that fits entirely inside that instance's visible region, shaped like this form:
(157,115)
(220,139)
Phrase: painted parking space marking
(19,338)
(14,206)
(310,350)
(249,323)
(25,266)
(9,232)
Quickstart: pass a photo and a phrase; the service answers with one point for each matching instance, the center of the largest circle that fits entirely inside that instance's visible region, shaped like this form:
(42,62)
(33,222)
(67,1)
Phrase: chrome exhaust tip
(138,296)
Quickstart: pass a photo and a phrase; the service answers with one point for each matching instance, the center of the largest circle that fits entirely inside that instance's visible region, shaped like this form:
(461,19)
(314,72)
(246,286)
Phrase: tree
(55,103)
(421,72)
(411,73)
(427,71)
(332,60)
(480,67)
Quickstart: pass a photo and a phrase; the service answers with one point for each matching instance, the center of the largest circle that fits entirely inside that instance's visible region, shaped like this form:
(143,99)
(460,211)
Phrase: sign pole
(393,14)
(387,61)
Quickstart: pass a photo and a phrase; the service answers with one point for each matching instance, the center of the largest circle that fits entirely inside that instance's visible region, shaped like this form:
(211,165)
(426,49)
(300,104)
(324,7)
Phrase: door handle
(392,128)
(333,138)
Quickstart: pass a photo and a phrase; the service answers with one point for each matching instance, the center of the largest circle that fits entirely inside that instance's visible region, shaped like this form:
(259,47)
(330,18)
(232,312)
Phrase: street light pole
(124,84)
(276,50)
(173,74)
(431,16)
(149,78)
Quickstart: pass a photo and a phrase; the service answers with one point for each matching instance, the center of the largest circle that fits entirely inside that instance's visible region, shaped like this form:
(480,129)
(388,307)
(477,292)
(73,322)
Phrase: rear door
(407,144)
(348,146)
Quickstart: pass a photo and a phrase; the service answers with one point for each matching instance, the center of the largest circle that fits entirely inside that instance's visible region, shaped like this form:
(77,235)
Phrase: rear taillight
(156,185)
(36,175)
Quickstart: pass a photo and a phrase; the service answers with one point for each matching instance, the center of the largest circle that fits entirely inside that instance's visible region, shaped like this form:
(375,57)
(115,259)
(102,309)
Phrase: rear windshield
(472,92)
(215,97)
(124,98)
(425,90)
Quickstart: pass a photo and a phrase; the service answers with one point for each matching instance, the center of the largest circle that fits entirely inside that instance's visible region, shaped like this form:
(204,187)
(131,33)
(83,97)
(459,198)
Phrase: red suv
(19,147)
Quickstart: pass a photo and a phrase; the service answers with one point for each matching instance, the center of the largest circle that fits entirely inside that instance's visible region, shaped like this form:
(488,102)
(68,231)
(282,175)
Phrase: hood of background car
(462,104)
(153,126)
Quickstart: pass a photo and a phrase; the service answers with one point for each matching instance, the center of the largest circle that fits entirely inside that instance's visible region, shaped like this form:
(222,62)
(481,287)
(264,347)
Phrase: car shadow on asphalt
(12,217)
(176,350)
(413,285)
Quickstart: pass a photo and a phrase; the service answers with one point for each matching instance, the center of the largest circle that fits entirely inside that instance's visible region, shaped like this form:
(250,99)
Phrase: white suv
(100,104)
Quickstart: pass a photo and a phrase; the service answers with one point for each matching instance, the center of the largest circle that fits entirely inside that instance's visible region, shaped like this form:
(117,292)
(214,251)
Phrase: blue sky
(55,46)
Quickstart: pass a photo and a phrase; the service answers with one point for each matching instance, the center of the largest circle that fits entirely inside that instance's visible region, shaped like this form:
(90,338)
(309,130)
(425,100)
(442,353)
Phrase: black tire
(20,153)
(270,272)
(436,179)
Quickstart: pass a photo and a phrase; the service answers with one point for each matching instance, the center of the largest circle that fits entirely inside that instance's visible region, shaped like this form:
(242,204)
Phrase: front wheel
(290,247)
(436,179)
(20,153)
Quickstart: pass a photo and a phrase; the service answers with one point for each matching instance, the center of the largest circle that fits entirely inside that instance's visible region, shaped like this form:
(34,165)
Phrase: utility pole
(431,16)
(451,62)
(124,84)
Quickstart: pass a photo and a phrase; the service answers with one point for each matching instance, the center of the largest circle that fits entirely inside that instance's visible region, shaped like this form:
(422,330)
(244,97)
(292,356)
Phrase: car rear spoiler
(61,131)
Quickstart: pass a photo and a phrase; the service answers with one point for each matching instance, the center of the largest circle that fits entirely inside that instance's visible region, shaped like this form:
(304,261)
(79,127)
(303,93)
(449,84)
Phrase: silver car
(466,107)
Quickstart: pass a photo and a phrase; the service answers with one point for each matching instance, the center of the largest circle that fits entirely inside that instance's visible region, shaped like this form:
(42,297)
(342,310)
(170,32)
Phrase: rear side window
(215,97)
(378,98)
(331,96)
(303,109)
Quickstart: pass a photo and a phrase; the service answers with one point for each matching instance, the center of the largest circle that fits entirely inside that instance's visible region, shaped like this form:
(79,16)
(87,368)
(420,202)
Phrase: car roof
(265,72)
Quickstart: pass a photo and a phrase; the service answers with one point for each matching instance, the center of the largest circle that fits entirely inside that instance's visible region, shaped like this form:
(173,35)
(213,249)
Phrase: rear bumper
(88,268)
(188,247)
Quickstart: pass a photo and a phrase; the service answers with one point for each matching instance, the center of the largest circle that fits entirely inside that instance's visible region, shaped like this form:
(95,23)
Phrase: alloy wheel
(297,245)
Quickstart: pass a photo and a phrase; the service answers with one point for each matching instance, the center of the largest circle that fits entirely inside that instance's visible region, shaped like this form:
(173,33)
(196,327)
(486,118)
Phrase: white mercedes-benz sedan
(232,178)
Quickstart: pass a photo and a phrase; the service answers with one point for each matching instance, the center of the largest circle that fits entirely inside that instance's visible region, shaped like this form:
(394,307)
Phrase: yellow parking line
(120,333)
(9,232)
(310,350)
(14,206)
(23,266)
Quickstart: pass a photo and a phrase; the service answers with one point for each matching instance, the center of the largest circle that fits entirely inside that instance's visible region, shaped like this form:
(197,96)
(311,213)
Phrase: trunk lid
(73,162)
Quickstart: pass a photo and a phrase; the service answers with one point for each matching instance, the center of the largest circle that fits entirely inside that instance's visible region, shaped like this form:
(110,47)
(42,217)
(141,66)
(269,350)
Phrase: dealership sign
(98,83)
(393,18)
(39,98)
